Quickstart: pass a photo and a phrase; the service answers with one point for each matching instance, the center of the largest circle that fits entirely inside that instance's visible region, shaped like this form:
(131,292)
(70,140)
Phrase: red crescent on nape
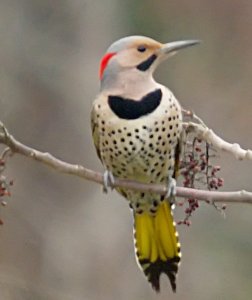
(104,62)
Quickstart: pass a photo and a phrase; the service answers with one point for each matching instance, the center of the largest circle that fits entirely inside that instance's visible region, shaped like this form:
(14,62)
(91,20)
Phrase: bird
(136,127)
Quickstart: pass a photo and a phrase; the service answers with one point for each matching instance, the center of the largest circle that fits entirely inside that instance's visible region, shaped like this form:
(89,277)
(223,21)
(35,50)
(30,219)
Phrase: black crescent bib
(131,109)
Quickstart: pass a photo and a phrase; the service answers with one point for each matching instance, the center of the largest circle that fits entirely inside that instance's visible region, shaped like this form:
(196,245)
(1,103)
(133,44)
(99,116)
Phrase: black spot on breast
(132,109)
(143,66)
(155,203)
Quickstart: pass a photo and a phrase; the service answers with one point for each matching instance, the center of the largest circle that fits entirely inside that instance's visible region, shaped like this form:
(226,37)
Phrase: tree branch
(207,134)
(80,171)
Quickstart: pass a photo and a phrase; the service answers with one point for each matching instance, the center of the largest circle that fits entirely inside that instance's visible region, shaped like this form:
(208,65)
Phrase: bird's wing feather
(177,154)
(95,132)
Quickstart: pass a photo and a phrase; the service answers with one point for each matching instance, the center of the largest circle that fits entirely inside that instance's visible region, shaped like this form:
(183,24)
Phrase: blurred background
(64,239)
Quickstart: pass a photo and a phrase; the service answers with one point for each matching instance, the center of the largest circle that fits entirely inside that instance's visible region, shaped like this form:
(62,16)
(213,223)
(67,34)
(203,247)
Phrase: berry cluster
(198,172)
(4,186)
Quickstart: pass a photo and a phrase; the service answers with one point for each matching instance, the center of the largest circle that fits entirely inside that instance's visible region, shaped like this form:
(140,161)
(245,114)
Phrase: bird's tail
(157,246)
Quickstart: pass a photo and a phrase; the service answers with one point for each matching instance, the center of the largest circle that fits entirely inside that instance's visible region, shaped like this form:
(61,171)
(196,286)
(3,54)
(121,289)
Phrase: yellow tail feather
(157,246)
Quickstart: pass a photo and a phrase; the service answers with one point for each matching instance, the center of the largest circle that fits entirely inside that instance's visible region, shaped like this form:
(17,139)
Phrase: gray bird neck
(131,83)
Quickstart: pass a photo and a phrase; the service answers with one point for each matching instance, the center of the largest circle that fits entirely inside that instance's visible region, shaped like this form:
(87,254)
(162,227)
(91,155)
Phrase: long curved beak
(173,47)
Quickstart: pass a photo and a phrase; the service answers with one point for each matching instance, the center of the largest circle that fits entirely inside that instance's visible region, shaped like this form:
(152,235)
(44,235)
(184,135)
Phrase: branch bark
(208,135)
(78,170)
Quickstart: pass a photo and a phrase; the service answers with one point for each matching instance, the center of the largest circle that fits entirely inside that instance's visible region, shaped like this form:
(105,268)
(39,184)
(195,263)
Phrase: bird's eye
(141,48)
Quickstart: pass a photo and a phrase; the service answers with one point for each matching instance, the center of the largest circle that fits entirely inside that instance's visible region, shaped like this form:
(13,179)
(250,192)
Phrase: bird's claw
(171,190)
(108,181)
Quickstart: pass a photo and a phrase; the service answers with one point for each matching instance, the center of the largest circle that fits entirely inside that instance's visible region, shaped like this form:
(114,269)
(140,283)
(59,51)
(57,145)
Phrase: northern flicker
(136,125)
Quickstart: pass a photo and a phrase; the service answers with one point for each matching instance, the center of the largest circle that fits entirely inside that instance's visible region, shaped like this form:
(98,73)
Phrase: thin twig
(193,116)
(203,132)
(217,142)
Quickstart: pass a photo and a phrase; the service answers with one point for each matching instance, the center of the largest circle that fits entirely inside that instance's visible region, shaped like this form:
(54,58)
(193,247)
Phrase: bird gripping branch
(136,125)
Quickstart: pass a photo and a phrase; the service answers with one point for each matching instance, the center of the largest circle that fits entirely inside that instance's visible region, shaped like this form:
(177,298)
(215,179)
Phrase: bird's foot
(171,189)
(108,181)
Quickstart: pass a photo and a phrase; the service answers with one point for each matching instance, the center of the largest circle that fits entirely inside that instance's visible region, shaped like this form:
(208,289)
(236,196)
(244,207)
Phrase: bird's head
(138,54)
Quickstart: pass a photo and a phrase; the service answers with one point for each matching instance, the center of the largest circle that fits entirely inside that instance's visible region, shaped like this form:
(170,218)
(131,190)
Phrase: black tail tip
(154,270)
(155,283)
